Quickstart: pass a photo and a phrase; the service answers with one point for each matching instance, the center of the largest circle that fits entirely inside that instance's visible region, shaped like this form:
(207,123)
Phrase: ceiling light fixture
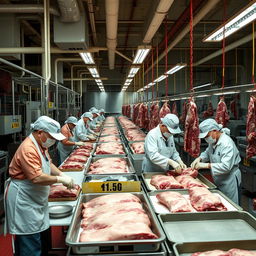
(203,95)
(133,72)
(141,54)
(94,72)
(201,86)
(253,90)
(226,93)
(160,78)
(176,68)
(87,57)
(239,20)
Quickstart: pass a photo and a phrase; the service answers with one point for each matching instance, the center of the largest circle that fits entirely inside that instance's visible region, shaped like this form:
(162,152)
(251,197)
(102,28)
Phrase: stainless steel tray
(60,211)
(186,249)
(97,157)
(117,155)
(110,177)
(146,177)
(102,135)
(147,245)
(208,227)
(161,209)
(118,136)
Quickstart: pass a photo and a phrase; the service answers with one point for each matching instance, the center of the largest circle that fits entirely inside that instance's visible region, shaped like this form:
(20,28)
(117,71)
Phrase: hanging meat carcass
(135,112)
(174,109)
(209,112)
(233,109)
(184,113)
(142,118)
(251,128)
(164,110)
(154,116)
(222,116)
(191,139)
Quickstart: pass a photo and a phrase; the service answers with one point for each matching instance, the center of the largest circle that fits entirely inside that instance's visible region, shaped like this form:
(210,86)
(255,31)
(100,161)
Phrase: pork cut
(87,145)
(72,165)
(187,171)
(135,135)
(154,116)
(142,117)
(78,158)
(251,128)
(174,109)
(165,109)
(60,191)
(109,138)
(109,131)
(191,133)
(222,116)
(174,201)
(239,252)
(110,148)
(203,200)
(189,182)
(135,112)
(211,253)
(81,152)
(138,147)
(164,182)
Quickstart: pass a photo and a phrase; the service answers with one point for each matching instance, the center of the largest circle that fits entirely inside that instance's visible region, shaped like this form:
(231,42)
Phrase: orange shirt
(26,163)
(66,132)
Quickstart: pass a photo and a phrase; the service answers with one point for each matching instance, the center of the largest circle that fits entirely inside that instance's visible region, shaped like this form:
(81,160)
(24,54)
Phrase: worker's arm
(204,156)
(81,132)
(175,155)
(55,170)
(44,179)
(67,142)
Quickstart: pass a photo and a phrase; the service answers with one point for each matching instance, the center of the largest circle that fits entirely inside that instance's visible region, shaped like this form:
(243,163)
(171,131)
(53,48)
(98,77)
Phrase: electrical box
(33,111)
(10,124)
(72,35)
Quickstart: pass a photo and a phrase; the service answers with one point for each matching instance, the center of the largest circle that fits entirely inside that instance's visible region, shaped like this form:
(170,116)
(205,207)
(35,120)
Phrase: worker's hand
(79,143)
(66,181)
(182,165)
(202,166)
(91,137)
(195,162)
(176,166)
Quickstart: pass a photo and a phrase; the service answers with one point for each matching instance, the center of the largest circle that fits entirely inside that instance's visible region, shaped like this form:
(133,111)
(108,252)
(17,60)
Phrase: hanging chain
(191,45)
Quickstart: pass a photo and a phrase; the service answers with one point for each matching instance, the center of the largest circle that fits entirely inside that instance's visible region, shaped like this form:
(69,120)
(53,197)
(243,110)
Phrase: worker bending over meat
(101,117)
(160,151)
(221,157)
(94,124)
(82,128)
(66,146)
(26,191)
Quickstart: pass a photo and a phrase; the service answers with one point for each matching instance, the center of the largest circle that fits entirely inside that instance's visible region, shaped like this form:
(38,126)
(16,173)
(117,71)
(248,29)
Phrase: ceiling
(133,16)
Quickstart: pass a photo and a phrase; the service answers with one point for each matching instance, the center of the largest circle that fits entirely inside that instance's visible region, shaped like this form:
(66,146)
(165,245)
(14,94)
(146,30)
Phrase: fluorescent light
(141,54)
(160,78)
(226,93)
(176,68)
(133,72)
(203,95)
(140,90)
(253,90)
(94,72)
(201,86)
(150,84)
(239,20)
(98,81)
(87,57)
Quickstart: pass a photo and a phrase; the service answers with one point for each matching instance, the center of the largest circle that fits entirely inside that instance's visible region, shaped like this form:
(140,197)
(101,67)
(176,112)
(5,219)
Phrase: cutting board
(59,199)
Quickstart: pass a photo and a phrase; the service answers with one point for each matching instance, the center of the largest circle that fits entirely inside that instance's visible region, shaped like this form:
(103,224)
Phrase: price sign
(50,104)
(15,125)
(246,162)
(111,187)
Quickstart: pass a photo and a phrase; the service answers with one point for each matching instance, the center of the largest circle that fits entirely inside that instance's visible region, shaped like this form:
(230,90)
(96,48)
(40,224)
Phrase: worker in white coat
(82,128)
(26,191)
(66,146)
(160,150)
(101,117)
(93,124)
(221,157)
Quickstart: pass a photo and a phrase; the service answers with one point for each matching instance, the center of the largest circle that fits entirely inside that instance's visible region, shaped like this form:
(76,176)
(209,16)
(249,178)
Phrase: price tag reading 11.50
(111,187)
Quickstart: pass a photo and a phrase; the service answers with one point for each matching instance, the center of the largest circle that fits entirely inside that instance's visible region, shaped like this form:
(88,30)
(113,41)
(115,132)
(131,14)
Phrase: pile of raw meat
(135,135)
(115,217)
(231,252)
(109,131)
(113,148)
(138,147)
(126,123)
(171,180)
(110,138)
(200,199)
(109,165)
(60,191)
(110,120)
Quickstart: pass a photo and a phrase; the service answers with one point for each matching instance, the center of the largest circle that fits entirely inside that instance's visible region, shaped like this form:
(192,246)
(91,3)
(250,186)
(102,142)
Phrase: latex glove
(91,137)
(66,181)
(195,162)
(182,165)
(202,166)
(176,166)
(79,143)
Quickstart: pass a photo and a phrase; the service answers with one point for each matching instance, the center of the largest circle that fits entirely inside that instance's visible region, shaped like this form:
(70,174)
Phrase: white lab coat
(224,158)
(158,151)
(81,131)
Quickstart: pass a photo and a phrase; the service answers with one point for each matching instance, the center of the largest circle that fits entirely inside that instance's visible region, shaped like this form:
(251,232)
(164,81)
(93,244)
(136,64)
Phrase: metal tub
(208,227)
(161,209)
(137,159)
(187,249)
(116,155)
(146,177)
(147,245)
(94,159)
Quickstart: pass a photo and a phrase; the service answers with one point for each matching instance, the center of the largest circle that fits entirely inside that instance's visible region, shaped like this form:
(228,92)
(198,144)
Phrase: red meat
(138,147)
(58,191)
(77,158)
(222,116)
(209,112)
(164,182)
(188,171)
(174,109)
(189,182)
(112,148)
(72,165)
(211,253)
(154,116)
(184,113)
(165,109)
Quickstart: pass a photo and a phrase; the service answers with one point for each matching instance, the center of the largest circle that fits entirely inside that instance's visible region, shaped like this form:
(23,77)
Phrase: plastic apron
(26,204)
(227,183)
(149,166)
(65,150)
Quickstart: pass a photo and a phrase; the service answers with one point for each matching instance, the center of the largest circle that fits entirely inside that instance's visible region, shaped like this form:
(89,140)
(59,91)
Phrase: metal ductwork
(112,7)
(69,10)
(160,12)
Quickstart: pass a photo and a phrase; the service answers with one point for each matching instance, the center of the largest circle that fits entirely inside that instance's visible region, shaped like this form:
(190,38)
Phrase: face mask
(167,135)
(210,140)
(49,142)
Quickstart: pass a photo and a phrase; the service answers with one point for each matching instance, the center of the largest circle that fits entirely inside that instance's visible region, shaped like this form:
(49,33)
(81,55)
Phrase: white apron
(26,204)
(64,150)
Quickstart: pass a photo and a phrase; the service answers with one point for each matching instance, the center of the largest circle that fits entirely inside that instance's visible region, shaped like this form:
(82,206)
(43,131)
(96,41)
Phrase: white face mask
(49,142)
(167,135)
(210,140)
